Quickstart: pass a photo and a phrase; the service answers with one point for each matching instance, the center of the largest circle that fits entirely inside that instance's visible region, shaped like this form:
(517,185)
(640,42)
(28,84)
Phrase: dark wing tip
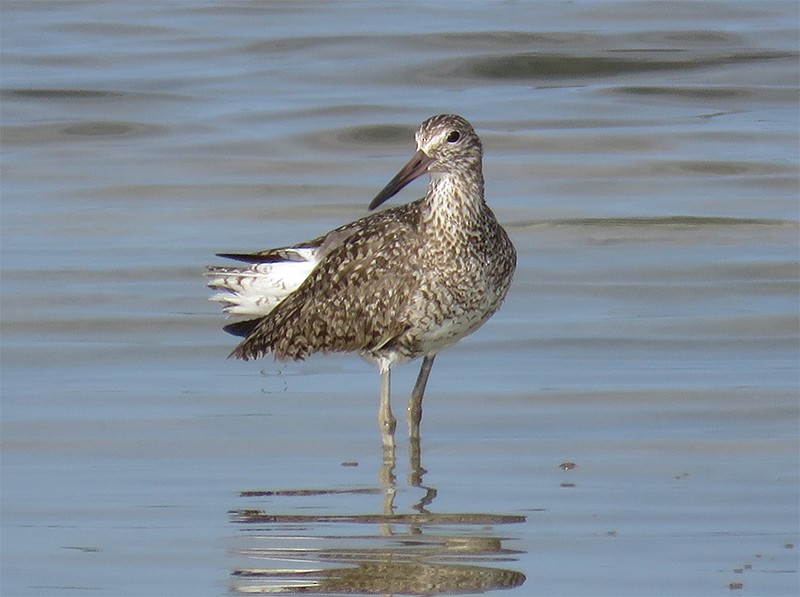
(246,257)
(242,329)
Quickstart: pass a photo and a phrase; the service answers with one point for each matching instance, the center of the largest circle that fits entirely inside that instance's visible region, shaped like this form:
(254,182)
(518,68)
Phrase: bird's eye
(453,136)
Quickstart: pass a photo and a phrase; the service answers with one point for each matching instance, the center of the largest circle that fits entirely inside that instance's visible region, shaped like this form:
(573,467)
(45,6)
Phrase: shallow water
(644,158)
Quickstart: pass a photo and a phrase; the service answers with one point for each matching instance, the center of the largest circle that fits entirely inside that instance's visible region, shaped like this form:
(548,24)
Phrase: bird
(398,284)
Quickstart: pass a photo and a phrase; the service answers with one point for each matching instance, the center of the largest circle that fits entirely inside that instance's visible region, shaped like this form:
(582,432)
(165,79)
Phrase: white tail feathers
(257,289)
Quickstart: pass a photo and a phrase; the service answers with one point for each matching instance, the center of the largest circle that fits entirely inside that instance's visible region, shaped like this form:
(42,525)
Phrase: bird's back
(356,298)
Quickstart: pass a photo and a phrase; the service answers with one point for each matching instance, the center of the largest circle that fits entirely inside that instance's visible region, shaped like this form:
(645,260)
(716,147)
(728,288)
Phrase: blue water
(644,159)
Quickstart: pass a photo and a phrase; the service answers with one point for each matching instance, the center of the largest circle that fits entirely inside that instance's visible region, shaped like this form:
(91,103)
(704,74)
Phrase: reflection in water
(415,474)
(388,576)
(409,553)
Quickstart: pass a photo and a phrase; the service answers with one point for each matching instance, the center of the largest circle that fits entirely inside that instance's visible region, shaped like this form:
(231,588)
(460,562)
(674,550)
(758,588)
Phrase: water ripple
(535,65)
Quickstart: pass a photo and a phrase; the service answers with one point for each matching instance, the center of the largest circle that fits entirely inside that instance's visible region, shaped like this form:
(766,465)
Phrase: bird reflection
(415,475)
(388,478)
(408,553)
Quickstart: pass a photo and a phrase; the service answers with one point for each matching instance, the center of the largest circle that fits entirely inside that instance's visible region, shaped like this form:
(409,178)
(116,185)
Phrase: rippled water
(627,424)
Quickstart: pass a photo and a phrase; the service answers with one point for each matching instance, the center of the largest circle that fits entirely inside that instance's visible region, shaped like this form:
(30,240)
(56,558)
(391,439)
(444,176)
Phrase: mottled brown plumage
(395,285)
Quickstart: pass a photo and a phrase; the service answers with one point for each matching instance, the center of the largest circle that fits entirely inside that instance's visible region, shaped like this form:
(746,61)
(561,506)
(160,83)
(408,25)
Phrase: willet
(393,286)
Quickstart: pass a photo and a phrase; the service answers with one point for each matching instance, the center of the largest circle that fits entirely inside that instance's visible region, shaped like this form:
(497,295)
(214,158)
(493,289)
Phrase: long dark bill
(416,167)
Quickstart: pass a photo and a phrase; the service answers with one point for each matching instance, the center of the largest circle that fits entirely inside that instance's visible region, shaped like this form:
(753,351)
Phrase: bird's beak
(416,167)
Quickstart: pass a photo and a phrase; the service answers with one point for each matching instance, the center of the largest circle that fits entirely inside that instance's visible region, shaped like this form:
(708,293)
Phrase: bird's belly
(444,320)
(448,332)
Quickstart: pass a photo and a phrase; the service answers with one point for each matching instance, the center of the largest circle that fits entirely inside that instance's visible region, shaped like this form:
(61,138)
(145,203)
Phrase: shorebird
(398,284)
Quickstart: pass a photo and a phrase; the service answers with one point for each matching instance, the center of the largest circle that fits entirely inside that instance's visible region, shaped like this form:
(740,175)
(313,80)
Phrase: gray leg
(387,424)
(386,420)
(414,410)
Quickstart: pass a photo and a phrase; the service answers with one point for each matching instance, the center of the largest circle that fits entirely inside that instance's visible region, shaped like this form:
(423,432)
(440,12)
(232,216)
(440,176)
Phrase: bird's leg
(387,424)
(386,420)
(414,410)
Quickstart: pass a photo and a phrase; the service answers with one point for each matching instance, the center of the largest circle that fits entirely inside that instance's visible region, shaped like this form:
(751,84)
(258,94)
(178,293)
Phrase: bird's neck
(455,201)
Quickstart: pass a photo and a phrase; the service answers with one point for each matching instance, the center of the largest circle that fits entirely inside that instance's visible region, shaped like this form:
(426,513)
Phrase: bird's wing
(355,299)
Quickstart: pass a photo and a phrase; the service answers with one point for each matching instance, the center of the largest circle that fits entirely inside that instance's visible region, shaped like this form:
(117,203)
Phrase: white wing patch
(258,289)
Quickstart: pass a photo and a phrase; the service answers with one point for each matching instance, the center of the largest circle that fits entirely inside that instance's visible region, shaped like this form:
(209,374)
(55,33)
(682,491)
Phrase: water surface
(627,424)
